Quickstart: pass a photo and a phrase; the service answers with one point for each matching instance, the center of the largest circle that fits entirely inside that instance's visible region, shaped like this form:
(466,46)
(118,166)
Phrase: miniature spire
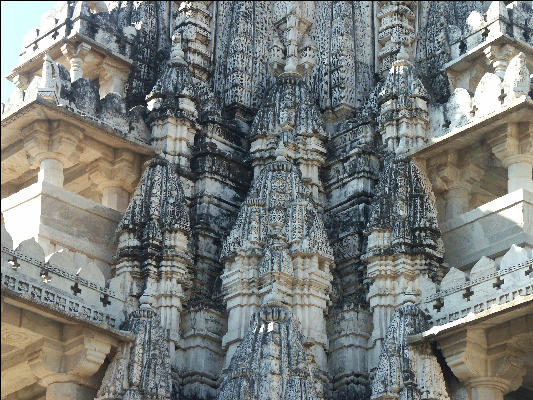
(403,55)
(275,341)
(177,56)
(281,152)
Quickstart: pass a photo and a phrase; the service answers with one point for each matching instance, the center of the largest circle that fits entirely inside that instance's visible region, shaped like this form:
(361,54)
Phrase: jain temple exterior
(286,200)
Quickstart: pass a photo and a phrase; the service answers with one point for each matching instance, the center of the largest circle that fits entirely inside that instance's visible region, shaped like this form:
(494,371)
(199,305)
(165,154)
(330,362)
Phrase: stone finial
(402,55)
(75,55)
(281,152)
(177,56)
(146,300)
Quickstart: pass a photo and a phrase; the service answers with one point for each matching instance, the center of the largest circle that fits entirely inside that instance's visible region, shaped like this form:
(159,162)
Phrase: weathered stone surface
(140,370)
(270,362)
(304,158)
(405,372)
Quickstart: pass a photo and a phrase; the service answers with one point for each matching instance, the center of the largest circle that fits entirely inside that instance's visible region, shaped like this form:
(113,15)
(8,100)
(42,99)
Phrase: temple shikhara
(286,200)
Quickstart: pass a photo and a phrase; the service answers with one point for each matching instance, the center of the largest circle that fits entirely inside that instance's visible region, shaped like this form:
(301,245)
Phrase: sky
(17,18)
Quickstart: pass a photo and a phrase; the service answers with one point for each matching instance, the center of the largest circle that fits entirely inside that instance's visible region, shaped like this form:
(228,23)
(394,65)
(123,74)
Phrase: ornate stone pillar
(514,149)
(51,171)
(76,56)
(52,146)
(112,77)
(115,179)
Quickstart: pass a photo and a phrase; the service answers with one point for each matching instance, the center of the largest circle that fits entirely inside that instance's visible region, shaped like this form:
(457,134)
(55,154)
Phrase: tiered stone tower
(289,200)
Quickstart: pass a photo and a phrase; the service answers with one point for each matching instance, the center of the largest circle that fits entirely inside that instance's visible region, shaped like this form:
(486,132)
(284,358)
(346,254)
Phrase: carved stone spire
(403,218)
(275,252)
(405,372)
(271,362)
(403,118)
(140,369)
(395,29)
(288,113)
(173,104)
(153,234)
(404,243)
(174,92)
(193,22)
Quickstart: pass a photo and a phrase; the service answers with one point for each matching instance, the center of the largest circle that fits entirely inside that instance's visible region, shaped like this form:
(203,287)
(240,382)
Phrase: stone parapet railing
(485,285)
(75,291)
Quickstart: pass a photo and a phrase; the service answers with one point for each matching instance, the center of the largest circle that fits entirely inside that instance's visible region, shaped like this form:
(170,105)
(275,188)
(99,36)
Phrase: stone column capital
(508,147)
(75,55)
(76,361)
(80,51)
(121,172)
(52,140)
(499,57)
(453,177)
(480,368)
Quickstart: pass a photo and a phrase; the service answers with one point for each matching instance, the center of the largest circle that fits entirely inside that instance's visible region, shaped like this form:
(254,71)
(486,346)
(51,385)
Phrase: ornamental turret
(278,255)
(153,242)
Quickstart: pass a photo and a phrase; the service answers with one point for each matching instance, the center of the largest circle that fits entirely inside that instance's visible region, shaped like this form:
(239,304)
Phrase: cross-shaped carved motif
(498,283)
(468,293)
(502,96)
(75,289)
(438,304)
(105,300)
